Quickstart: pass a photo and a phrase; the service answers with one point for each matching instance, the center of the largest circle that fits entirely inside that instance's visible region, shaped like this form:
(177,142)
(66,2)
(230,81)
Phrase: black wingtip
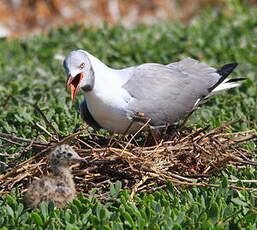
(236,79)
(225,70)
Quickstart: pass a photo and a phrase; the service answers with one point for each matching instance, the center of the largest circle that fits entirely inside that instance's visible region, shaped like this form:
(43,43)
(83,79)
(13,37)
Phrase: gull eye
(82,65)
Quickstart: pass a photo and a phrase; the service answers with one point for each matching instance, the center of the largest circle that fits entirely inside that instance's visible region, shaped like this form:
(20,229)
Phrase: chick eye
(69,154)
(82,65)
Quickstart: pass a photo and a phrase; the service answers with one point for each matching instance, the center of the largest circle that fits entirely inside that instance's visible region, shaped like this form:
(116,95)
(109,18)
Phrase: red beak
(73,83)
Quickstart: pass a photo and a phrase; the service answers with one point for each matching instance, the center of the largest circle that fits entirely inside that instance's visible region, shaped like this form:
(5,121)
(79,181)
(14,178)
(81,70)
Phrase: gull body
(162,93)
(59,185)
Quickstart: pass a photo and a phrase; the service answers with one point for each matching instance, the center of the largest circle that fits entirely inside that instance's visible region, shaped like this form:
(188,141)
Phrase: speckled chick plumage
(57,186)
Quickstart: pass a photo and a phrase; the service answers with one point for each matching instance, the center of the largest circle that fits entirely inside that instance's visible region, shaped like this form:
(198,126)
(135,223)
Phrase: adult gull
(161,93)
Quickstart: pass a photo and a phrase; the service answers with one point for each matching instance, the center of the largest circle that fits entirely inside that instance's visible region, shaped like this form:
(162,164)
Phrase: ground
(31,72)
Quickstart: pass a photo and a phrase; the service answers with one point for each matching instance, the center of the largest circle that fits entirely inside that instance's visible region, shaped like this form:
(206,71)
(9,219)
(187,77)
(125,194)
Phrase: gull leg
(129,126)
(172,130)
(153,137)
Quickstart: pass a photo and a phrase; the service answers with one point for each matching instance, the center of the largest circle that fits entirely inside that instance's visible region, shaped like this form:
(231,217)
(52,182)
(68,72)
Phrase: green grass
(28,70)
(197,208)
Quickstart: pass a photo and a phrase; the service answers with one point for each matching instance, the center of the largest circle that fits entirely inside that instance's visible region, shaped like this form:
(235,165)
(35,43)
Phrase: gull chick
(59,185)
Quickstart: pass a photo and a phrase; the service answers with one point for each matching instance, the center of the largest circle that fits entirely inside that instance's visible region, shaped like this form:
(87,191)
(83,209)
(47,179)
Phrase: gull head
(80,74)
(62,155)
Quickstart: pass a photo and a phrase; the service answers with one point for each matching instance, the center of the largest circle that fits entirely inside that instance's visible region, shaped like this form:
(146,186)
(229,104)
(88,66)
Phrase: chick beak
(80,159)
(73,83)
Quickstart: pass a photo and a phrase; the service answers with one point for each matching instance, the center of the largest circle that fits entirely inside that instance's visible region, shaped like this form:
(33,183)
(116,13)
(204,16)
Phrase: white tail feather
(222,87)
(219,89)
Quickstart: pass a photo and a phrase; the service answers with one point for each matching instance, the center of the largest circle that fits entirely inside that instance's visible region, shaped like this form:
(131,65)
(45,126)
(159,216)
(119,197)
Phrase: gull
(59,185)
(164,94)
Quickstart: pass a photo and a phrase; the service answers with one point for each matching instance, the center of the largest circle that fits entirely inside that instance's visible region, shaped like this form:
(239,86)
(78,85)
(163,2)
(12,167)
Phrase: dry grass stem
(189,159)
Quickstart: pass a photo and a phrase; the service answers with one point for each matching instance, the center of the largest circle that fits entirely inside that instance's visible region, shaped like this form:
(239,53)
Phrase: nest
(191,157)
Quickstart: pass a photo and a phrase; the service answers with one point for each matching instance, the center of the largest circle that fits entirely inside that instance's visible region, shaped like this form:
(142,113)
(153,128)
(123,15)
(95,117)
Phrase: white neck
(104,75)
(108,100)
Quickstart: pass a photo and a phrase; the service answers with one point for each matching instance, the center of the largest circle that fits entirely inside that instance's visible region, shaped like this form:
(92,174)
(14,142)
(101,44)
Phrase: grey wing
(167,93)
(86,115)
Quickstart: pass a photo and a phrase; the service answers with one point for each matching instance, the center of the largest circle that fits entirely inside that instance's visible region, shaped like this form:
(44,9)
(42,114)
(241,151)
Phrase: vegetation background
(30,69)
(23,17)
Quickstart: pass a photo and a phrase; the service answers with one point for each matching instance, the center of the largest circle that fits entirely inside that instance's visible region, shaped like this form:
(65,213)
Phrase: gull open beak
(73,83)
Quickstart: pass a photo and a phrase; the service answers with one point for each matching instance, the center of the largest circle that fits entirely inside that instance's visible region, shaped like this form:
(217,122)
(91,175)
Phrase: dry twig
(189,159)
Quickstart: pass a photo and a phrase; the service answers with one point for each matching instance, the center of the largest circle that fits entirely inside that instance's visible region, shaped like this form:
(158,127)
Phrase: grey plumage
(163,93)
(167,93)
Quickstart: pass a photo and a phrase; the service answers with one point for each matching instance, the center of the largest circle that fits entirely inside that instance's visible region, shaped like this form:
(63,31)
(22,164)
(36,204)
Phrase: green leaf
(71,227)
(67,216)
(224,182)
(118,186)
(213,212)
(206,225)
(218,228)
(91,195)
(117,226)
(112,190)
(239,202)
(37,218)
(51,226)
(19,210)
(128,219)
(51,206)
(78,204)
(11,201)
(177,227)
(102,214)
(44,209)
(9,211)
(249,218)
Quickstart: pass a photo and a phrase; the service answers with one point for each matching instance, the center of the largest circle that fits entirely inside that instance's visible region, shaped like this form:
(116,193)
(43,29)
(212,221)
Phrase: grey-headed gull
(162,93)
